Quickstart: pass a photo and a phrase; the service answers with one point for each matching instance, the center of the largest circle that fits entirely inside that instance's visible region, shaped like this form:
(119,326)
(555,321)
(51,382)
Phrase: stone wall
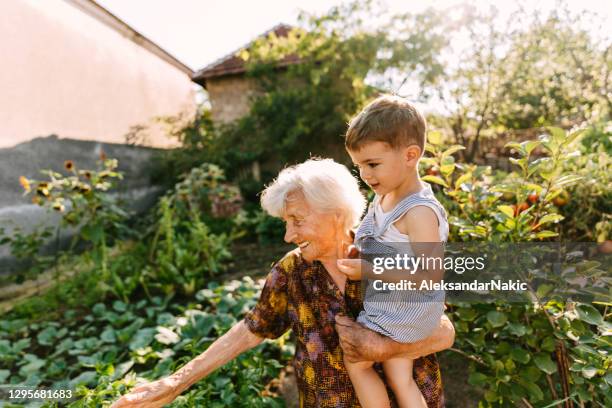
(230,97)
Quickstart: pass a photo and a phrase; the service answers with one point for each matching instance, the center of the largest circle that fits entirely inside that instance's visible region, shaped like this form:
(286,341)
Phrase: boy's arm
(420,223)
(361,344)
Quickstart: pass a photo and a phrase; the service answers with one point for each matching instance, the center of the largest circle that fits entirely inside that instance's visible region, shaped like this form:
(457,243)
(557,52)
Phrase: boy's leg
(398,373)
(369,387)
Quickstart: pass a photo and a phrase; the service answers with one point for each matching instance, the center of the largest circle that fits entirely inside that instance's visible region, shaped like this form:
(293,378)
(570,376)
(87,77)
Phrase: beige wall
(229,97)
(65,72)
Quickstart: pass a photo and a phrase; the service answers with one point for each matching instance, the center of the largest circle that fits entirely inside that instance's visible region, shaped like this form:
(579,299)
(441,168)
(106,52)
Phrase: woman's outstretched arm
(163,391)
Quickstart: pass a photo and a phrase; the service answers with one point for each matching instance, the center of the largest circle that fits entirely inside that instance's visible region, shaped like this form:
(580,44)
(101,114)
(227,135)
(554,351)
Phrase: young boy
(385,141)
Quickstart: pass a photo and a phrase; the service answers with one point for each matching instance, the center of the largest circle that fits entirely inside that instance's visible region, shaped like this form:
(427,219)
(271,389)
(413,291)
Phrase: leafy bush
(525,353)
(83,200)
(105,351)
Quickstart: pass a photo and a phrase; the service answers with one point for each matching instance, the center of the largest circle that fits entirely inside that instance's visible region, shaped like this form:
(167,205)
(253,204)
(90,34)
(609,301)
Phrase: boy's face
(383,168)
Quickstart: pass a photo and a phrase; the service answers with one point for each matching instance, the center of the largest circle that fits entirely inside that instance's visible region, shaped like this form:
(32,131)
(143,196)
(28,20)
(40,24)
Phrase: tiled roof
(232,64)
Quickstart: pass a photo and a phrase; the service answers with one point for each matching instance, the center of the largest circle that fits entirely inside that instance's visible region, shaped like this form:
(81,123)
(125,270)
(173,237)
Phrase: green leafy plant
(84,201)
(523,353)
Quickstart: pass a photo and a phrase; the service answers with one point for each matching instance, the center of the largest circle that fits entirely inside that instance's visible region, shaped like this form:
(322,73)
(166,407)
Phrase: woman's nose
(289,235)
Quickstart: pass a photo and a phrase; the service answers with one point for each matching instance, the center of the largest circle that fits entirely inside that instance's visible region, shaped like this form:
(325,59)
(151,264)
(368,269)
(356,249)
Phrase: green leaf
(535,393)
(506,210)
(33,366)
(558,134)
(517,329)
(119,306)
(462,179)
(143,338)
(589,314)
(4,375)
(46,336)
(451,150)
(447,169)
(543,290)
(98,309)
(497,319)
(434,137)
(550,218)
(108,336)
(520,355)
(477,379)
(516,146)
(546,234)
(84,378)
(530,145)
(435,179)
(548,344)
(544,363)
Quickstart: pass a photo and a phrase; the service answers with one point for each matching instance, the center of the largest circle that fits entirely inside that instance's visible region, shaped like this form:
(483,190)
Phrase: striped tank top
(405,316)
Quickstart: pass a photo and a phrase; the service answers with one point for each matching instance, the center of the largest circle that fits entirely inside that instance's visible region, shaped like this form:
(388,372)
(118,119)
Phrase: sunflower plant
(82,197)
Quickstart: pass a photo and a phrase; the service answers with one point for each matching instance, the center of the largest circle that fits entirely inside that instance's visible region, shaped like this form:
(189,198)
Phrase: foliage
(537,352)
(84,202)
(104,352)
(26,248)
(527,71)
(304,107)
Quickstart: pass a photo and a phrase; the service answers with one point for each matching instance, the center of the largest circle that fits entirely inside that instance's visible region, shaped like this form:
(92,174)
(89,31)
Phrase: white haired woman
(320,202)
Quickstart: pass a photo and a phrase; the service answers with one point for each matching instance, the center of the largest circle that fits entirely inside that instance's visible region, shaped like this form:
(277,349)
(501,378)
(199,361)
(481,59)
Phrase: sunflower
(43,189)
(25,183)
(69,165)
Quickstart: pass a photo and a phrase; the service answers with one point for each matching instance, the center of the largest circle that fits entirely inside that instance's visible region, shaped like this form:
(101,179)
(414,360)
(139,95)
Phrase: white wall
(64,72)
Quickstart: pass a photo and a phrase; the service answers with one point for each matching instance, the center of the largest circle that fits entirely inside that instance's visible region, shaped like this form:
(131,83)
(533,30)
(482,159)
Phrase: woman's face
(314,232)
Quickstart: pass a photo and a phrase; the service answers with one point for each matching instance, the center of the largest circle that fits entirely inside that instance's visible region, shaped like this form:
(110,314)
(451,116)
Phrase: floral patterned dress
(302,296)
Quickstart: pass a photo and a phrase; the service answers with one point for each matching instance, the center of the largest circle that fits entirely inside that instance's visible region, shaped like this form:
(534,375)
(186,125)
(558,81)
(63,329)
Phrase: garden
(521,154)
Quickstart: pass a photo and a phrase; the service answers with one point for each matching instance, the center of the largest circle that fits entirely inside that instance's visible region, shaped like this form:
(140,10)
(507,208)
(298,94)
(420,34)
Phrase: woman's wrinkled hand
(359,343)
(151,395)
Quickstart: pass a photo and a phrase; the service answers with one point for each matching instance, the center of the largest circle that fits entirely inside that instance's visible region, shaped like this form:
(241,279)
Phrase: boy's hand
(350,267)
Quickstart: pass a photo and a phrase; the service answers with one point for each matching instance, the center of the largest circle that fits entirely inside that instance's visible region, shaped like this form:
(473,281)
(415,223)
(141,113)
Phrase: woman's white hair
(326,185)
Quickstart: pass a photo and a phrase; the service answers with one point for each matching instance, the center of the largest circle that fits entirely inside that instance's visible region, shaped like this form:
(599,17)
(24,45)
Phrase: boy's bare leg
(398,373)
(368,385)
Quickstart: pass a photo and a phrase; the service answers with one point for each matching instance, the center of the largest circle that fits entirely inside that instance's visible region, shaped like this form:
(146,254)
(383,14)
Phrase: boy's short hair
(390,119)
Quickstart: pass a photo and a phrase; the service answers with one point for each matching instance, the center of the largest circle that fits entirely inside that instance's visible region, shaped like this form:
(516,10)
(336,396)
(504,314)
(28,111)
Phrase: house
(229,90)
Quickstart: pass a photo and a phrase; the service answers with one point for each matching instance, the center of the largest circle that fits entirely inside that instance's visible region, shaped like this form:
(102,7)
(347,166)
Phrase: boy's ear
(412,152)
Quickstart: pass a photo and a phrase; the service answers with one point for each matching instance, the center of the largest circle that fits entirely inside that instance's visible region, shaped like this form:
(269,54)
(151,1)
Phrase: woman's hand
(151,395)
(361,344)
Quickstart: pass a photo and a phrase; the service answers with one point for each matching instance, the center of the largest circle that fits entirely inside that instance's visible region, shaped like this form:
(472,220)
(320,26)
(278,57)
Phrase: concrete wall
(29,158)
(68,73)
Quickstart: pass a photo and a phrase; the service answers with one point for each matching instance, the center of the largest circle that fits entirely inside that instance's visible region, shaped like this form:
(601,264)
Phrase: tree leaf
(548,218)
(520,355)
(589,314)
(506,210)
(451,150)
(544,363)
(435,179)
(477,379)
(497,319)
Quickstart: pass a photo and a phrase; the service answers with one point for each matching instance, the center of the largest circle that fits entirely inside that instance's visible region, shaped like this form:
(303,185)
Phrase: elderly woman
(320,202)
